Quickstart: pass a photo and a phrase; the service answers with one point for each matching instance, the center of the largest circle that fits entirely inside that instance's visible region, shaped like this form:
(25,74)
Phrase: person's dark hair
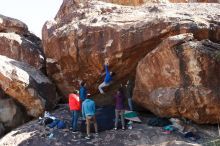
(89,96)
(75,91)
(113,74)
(120,89)
(82,83)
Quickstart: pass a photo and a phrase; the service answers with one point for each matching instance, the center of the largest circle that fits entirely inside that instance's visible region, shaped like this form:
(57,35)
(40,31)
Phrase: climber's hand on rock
(106,61)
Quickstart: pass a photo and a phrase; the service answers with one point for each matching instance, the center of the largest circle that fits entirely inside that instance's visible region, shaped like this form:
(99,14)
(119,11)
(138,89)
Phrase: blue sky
(32,12)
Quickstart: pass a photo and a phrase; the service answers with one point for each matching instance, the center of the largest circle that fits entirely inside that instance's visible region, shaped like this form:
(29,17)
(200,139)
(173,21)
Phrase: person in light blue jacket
(107,79)
(88,112)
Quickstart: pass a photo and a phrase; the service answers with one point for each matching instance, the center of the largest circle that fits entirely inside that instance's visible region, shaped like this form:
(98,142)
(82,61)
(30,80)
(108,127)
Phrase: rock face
(8,112)
(11,114)
(181,78)
(194,1)
(26,85)
(83,35)
(139,2)
(12,25)
(126,2)
(26,91)
(18,43)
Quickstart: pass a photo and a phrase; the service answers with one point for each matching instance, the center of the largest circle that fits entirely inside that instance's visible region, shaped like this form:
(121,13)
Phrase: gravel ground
(33,134)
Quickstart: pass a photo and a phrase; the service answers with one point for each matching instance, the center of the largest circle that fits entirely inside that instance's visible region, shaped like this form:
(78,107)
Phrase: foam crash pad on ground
(105,118)
(132,116)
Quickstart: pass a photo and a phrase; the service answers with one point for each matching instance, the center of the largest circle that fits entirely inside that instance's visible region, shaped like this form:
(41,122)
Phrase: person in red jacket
(74,104)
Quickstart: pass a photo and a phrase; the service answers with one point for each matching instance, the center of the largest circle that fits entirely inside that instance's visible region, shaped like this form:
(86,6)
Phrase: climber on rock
(107,79)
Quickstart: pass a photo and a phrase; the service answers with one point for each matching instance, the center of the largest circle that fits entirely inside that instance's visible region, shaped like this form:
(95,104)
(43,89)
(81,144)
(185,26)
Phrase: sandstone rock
(12,25)
(194,1)
(140,2)
(8,110)
(69,5)
(134,2)
(11,115)
(2,129)
(26,85)
(126,2)
(76,45)
(180,78)
(18,43)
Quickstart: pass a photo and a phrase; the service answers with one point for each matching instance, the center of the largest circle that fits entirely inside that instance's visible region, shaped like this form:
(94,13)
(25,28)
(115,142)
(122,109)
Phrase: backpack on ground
(53,124)
(61,125)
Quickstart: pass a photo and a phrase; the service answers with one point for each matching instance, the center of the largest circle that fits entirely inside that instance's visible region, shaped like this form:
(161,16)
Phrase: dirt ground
(33,134)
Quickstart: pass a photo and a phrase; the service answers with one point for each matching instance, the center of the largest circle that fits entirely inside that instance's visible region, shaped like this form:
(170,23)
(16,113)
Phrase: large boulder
(8,24)
(27,85)
(191,1)
(26,91)
(126,2)
(18,43)
(2,129)
(11,114)
(180,78)
(65,7)
(83,35)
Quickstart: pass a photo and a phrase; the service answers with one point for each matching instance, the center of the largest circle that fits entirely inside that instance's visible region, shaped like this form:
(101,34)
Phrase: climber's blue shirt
(108,77)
